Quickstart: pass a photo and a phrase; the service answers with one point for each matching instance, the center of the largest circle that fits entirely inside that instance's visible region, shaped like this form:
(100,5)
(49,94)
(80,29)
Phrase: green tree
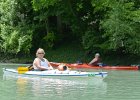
(92,38)
(121,27)
(15,28)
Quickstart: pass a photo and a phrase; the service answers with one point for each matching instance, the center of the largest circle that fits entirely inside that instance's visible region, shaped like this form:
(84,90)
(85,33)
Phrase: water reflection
(61,88)
(21,85)
(119,85)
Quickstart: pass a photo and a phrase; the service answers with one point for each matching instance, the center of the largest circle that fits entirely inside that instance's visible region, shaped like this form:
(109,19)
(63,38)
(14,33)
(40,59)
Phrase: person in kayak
(96,60)
(62,67)
(41,63)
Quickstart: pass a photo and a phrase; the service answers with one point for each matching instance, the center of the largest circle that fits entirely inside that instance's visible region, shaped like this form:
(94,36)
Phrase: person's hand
(51,68)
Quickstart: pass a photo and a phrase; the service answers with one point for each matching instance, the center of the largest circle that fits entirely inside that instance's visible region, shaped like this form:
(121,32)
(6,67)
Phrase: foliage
(48,41)
(91,42)
(40,4)
(121,27)
(92,39)
(14,38)
(99,25)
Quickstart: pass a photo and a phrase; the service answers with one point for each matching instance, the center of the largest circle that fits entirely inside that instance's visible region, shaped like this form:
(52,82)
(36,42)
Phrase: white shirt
(43,62)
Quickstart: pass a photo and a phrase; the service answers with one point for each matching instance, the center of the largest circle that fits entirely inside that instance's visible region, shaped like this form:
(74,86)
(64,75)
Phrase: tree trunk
(47,25)
(59,24)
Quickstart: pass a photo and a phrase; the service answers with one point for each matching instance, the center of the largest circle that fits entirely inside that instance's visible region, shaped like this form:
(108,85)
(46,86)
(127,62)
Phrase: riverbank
(71,54)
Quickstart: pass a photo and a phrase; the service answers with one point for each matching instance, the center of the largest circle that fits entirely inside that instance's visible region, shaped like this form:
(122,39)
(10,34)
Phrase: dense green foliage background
(105,26)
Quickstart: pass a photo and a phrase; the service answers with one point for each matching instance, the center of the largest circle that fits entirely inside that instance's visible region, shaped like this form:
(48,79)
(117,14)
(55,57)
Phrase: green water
(118,85)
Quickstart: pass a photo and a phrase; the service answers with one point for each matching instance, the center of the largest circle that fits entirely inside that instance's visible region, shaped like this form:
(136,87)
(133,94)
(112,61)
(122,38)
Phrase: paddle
(22,70)
(101,72)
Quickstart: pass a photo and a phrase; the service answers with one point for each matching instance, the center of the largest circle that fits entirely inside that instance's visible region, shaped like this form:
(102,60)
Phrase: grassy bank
(73,52)
(69,53)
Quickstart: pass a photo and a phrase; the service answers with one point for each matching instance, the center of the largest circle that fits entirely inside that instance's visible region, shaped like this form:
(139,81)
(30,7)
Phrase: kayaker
(62,67)
(41,63)
(96,60)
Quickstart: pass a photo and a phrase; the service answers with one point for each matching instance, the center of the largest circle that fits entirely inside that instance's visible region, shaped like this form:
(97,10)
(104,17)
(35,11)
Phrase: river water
(118,85)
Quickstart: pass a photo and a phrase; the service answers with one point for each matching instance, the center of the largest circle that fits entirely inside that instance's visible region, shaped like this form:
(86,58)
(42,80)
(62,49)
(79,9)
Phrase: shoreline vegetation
(70,31)
(71,54)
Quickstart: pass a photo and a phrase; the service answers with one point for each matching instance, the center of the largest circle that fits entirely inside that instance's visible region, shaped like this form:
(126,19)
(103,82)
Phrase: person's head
(62,67)
(40,53)
(97,55)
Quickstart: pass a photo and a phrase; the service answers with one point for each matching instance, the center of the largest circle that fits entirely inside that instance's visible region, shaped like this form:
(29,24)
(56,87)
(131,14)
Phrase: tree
(15,30)
(121,27)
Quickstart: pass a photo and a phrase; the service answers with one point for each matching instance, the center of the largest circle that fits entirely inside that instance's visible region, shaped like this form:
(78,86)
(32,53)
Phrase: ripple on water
(119,85)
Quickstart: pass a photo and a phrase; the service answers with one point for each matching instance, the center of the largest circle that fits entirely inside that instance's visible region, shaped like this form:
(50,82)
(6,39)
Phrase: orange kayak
(84,65)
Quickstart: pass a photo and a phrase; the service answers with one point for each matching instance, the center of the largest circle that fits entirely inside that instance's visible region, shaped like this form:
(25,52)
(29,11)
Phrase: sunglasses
(40,53)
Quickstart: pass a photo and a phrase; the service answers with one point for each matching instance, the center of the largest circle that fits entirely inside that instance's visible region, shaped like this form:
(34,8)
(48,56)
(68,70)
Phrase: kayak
(54,73)
(84,65)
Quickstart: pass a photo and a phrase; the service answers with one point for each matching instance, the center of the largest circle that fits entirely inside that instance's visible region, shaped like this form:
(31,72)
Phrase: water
(118,85)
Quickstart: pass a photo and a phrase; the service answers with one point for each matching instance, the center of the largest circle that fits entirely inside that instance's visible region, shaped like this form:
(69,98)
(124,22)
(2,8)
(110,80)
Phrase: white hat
(97,54)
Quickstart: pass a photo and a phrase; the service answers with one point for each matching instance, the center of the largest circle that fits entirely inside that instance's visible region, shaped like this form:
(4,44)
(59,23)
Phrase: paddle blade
(22,70)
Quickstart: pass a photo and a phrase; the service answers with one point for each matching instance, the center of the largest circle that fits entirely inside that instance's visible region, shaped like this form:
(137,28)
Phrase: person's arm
(92,62)
(49,65)
(38,65)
